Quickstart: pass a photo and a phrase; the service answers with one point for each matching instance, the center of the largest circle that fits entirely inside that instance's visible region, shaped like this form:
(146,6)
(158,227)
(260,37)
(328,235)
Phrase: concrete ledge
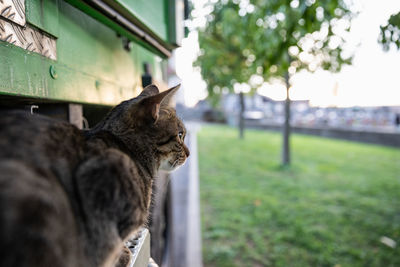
(184,231)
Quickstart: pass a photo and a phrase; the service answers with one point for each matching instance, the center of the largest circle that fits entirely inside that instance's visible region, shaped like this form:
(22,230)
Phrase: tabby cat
(70,197)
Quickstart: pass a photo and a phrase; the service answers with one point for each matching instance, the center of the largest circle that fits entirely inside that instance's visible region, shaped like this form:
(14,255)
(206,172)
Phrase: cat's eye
(180,135)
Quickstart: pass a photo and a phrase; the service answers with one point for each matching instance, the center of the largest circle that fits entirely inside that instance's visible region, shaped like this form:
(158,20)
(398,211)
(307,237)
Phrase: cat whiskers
(175,163)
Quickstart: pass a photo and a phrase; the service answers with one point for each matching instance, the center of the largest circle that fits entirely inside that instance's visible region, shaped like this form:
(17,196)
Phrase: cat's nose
(186,150)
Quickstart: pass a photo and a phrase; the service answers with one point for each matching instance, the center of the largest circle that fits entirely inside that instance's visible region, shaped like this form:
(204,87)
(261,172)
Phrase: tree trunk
(241,117)
(286,126)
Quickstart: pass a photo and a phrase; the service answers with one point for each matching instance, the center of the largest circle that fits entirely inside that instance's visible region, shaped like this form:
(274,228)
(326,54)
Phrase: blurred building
(268,111)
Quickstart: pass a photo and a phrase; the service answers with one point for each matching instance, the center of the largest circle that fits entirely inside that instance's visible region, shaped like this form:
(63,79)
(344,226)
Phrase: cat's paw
(125,258)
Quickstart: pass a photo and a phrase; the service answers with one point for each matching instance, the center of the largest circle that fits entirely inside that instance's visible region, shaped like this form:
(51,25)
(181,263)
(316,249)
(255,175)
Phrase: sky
(372,79)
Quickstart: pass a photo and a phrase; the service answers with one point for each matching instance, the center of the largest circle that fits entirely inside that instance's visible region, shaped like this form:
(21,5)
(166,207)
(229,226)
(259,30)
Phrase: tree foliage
(268,38)
(390,33)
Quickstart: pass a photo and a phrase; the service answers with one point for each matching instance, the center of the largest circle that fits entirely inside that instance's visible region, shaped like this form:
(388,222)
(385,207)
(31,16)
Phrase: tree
(273,39)
(390,33)
(223,63)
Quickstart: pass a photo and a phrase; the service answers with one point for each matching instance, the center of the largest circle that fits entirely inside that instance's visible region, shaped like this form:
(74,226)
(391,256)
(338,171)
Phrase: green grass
(330,208)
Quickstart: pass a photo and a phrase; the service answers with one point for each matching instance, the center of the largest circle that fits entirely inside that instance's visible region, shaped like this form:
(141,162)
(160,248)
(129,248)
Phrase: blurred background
(296,106)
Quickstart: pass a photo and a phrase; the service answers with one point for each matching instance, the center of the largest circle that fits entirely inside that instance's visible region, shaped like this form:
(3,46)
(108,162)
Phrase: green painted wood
(172,21)
(176,17)
(113,25)
(92,65)
(152,13)
(43,14)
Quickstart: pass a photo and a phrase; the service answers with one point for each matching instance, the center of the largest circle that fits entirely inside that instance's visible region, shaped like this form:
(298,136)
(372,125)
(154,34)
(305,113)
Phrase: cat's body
(71,198)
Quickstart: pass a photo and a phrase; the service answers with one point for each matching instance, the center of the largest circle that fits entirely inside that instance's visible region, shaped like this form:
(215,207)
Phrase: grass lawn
(330,208)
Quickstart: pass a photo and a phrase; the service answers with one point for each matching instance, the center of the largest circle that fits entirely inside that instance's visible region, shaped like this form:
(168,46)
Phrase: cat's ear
(167,100)
(151,105)
(149,90)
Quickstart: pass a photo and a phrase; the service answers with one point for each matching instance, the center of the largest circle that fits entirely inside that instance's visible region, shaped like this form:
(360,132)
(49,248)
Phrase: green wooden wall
(153,13)
(92,65)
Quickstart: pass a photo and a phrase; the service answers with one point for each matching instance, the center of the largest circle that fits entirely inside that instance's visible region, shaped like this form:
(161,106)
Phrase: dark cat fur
(70,197)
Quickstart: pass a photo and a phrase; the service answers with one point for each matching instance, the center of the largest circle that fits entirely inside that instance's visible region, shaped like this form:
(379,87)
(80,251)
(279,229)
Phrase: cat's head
(149,123)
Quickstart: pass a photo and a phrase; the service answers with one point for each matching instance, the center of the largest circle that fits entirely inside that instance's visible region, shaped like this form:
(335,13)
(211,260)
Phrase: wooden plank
(75,114)
(152,13)
(43,14)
